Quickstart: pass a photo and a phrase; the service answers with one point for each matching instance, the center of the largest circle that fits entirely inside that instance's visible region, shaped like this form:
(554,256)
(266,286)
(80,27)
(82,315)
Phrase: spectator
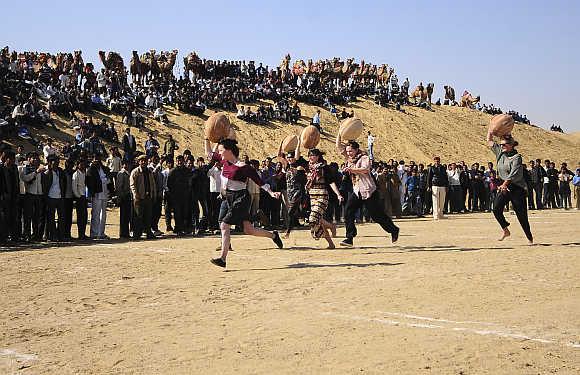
(98,186)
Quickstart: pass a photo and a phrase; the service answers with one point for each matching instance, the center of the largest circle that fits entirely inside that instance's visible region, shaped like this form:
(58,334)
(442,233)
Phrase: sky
(517,55)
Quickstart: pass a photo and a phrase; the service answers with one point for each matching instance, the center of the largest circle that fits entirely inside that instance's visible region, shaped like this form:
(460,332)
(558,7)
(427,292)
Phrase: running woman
(358,166)
(513,188)
(320,178)
(294,168)
(235,207)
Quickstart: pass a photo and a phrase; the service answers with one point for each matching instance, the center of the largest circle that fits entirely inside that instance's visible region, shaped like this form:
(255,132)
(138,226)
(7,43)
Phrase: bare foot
(506,233)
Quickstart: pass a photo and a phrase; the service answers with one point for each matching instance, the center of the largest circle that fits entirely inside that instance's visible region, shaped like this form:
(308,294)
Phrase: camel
(78,63)
(192,63)
(449,94)
(429,89)
(420,93)
(384,73)
(136,68)
(166,62)
(468,100)
(112,61)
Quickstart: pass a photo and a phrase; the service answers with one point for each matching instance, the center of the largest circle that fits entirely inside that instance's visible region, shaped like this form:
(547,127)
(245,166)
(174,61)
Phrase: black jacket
(179,184)
(437,176)
(47,177)
(538,173)
(129,147)
(9,183)
(93,180)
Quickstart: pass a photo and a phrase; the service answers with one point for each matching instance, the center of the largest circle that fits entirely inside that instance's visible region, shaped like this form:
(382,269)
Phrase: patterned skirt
(318,206)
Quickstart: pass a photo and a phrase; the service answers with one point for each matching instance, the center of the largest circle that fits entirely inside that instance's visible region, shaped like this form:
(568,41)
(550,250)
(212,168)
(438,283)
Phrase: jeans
(375,209)
(98,217)
(517,196)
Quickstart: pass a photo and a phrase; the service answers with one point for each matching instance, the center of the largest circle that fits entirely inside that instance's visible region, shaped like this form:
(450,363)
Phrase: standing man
(144,192)
(151,145)
(316,120)
(370,144)
(358,166)
(97,181)
(34,207)
(54,187)
(179,193)
(169,148)
(10,196)
(538,173)
(129,145)
(453,176)
(79,189)
(123,192)
(155,167)
(438,183)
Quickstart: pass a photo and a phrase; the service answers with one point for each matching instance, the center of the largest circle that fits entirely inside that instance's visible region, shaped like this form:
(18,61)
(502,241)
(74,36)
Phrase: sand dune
(453,133)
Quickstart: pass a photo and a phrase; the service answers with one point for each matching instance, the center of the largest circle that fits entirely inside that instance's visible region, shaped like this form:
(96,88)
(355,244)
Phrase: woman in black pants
(513,187)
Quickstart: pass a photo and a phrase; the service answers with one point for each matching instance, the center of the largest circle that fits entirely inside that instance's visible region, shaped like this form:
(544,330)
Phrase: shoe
(395,236)
(347,242)
(219,262)
(151,236)
(104,237)
(277,240)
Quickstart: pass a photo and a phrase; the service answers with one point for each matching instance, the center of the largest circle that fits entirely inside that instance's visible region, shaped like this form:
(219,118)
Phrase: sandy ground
(447,299)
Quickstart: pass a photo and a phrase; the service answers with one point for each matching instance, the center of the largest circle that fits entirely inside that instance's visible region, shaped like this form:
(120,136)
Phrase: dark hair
(231,145)
(316,152)
(353,144)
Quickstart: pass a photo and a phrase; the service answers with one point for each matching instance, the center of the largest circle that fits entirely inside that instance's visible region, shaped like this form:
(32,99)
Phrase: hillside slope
(453,133)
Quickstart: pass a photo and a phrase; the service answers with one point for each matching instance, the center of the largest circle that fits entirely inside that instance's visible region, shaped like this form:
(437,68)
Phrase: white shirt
(101,79)
(54,191)
(104,195)
(78,185)
(370,140)
(453,176)
(215,179)
(48,150)
(316,119)
(158,112)
(114,163)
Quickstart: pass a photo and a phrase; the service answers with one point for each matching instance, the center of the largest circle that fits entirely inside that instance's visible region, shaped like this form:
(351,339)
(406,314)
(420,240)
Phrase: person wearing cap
(513,188)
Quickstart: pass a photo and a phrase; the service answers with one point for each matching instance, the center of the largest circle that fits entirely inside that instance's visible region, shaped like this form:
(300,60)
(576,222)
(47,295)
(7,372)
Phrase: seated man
(160,115)
(241,113)
(44,118)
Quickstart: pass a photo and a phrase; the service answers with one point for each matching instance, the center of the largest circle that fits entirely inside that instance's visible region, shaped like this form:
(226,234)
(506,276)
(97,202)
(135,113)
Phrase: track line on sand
(445,325)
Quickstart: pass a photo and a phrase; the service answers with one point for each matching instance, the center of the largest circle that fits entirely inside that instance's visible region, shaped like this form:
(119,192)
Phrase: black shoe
(347,242)
(219,262)
(395,236)
(277,240)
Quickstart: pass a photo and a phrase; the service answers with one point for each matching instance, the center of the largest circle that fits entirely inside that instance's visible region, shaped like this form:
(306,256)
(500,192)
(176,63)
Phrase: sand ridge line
(483,332)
